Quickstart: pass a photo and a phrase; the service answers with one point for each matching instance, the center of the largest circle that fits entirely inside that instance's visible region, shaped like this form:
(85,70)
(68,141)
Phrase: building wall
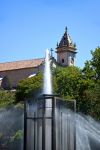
(62,56)
(15,76)
(68,58)
(71,59)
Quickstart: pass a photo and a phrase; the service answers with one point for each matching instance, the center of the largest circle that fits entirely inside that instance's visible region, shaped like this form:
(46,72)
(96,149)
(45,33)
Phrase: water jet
(50,125)
(53,124)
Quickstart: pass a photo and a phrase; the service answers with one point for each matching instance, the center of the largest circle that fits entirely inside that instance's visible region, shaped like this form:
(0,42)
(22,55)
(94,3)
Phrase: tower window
(62,60)
(72,60)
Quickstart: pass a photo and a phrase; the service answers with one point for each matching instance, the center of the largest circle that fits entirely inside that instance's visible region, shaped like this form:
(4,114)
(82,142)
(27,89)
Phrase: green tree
(29,87)
(73,83)
(93,95)
(95,62)
(91,86)
(88,71)
(6,98)
(67,81)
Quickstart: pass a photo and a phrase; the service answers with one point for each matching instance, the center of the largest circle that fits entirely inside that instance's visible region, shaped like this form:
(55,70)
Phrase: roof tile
(20,64)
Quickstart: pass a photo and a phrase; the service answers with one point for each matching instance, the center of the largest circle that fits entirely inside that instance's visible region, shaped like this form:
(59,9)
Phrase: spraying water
(87,130)
(71,129)
(47,89)
(11,124)
(87,133)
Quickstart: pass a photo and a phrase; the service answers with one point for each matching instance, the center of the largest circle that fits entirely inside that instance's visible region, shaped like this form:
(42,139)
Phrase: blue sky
(28,27)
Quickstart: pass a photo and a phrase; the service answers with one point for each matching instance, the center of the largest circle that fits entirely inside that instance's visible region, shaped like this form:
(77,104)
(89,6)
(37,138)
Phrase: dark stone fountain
(49,126)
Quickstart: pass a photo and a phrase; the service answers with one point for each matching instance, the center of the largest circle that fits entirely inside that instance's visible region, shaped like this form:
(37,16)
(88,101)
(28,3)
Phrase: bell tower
(66,51)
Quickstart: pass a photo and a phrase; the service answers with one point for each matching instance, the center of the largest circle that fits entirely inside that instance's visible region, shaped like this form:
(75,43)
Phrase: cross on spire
(51,52)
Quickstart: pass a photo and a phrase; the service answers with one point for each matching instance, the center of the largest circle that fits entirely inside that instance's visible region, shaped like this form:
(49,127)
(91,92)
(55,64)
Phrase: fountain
(11,128)
(47,84)
(50,123)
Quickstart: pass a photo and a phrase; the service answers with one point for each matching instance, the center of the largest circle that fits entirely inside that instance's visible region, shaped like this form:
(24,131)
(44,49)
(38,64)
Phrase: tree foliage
(94,98)
(67,81)
(6,98)
(70,83)
(29,87)
(95,62)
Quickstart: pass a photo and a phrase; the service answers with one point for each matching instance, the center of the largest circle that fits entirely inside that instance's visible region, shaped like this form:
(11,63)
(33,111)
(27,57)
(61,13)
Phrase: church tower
(66,51)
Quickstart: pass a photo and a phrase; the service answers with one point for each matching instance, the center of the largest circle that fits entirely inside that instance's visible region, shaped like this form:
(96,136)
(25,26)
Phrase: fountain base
(49,124)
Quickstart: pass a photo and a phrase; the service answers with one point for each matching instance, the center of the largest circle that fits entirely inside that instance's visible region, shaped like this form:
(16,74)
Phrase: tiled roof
(20,64)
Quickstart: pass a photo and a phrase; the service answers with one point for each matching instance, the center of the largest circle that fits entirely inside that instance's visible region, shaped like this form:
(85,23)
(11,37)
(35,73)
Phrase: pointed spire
(66,40)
